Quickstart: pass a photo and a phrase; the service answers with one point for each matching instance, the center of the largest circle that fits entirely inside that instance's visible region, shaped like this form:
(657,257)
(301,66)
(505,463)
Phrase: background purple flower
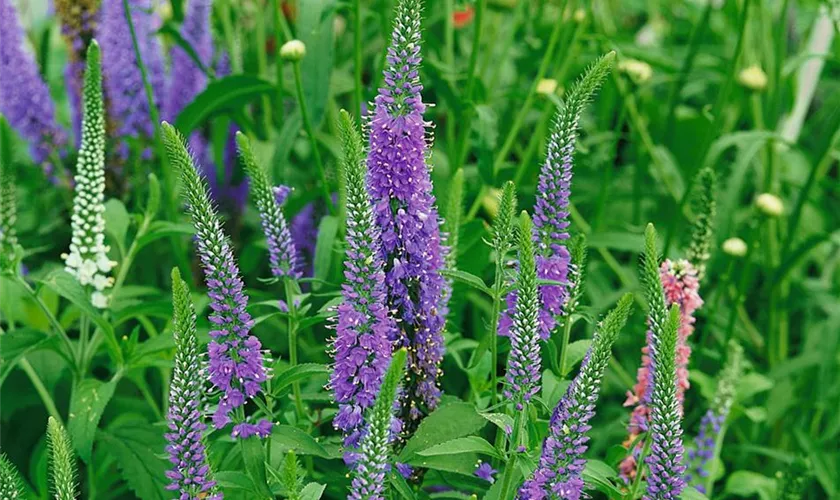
(78,24)
(188,79)
(24,96)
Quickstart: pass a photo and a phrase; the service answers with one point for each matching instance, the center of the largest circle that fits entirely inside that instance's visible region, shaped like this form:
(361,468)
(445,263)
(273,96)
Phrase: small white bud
(753,78)
(293,50)
(736,247)
(770,205)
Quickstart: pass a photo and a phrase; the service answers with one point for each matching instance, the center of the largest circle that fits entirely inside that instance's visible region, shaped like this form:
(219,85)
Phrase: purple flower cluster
(704,442)
(362,345)
(236,359)
(24,97)
(190,474)
(189,79)
(78,24)
(128,106)
(401,189)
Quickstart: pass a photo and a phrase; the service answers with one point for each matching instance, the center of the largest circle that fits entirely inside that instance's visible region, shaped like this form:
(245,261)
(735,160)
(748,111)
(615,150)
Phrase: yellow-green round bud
(770,205)
(736,247)
(293,50)
(753,78)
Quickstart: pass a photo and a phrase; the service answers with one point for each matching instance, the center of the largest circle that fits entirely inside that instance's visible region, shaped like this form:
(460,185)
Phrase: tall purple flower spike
(24,97)
(128,106)
(551,211)
(561,465)
(236,359)
(362,348)
(400,186)
(188,80)
(190,472)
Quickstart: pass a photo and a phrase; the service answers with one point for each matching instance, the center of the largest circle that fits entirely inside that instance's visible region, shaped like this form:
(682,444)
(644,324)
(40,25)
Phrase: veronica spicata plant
(524,361)
(559,473)
(709,438)
(368,473)
(8,217)
(236,365)
(24,97)
(190,473)
(282,255)
(551,211)
(62,463)
(400,187)
(88,259)
(362,345)
(666,469)
(188,78)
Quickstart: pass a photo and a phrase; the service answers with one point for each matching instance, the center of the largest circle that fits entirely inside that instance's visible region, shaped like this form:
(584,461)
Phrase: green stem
(494,329)
(262,68)
(740,294)
(357,57)
(640,468)
(567,333)
(278,66)
(463,141)
(42,391)
(50,317)
(307,125)
(293,354)
(510,466)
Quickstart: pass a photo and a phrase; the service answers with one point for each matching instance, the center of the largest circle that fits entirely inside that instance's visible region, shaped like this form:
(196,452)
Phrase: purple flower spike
(188,79)
(128,106)
(558,474)
(401,189)
(236,360)
(190,474)
(24,97)
(362,345)
(551,211)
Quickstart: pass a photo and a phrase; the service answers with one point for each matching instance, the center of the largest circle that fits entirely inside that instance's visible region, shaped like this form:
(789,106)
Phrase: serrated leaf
(312,491)
(286,437)
(14,345)
(469,444)
(444,424)
(88,402)
(253,454)
(136,448)
(501,420)
(401,486)
(296,373)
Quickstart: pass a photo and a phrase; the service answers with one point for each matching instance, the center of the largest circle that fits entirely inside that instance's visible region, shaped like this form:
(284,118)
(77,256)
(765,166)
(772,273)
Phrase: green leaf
(65,285)
(234,480)
(575,353)
(117,221)
(691,493)
(501,420)
(88,402)
(752,384)
(312,491)
(297,373)
(448,422)
(744,483)
(14,345)
(469,444)
(253,454)
(315,30)
(468,279)
(601,475)
(327,231)
(286,437)
(400,485)
(162,229)
(220,96)
(136,447)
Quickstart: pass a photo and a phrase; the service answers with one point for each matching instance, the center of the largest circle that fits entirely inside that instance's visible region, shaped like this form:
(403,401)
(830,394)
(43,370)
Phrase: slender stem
(713,463)
(278,66)
(494,331)
(640,466)
(740,294)
(357,57)
(564,347)
(307,125)
(463,141)
(262,68)
(293,354)
(50,317)
(510,467)
(84,337)
(42,391)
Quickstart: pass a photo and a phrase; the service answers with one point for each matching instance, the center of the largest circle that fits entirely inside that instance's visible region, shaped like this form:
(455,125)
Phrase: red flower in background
(463,17)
